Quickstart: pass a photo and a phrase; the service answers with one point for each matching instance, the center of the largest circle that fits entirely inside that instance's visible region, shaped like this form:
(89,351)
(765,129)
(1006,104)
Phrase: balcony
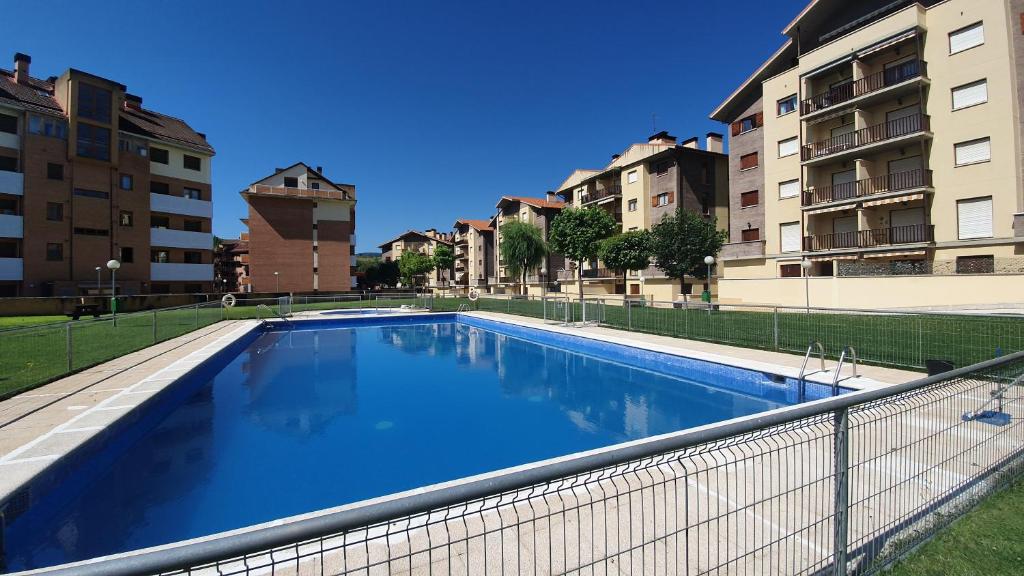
(602,194)
(883,184)
(843,145)
(12,183)
(180,205)
(856,239)
(11,226)
(599,273)
(858,91)
(286,192)
(173,271)
(165,237)
(742,250)
(11,268)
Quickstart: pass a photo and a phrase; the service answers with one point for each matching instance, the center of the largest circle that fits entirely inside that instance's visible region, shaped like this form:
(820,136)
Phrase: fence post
(508,307)
(197,316)
(775,327)
(154,326)
(544,307)
(68,346)
(629,316)
(841,520)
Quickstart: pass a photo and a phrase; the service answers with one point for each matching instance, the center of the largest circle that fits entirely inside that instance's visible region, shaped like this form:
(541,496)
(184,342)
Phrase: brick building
(87,174)
(301,232)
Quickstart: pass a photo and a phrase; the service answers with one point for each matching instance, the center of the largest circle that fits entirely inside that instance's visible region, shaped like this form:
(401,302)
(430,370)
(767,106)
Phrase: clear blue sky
(433,110)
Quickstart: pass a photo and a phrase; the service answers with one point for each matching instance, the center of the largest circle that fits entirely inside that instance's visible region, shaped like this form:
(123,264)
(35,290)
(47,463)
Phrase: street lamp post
(99,281)
(709,260)
(806,265)
(277,282)
(113,265)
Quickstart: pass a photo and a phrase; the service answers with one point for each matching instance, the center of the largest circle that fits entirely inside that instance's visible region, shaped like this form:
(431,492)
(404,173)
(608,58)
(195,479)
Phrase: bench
(85,310)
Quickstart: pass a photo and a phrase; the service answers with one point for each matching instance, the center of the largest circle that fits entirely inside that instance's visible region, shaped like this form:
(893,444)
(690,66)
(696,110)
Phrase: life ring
(228,300)
(473,295)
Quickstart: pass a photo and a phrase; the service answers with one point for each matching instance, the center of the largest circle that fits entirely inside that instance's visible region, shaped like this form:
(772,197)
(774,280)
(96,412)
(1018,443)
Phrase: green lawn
(18,321)
(988,541)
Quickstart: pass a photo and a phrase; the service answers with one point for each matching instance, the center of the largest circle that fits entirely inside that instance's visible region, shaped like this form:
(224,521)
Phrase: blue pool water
(335,412)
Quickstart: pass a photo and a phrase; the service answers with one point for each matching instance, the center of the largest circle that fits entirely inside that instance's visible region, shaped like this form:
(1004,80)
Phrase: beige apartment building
(638,187)
(425,243)
(474,254)
(538,212)
(880,149)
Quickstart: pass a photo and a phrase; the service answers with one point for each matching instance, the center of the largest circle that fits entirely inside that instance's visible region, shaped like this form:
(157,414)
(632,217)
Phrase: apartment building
(425,243)
(87,174)
(538,212)
(638,188)
(879,149)
(301,232)
(474,253)
(231,265)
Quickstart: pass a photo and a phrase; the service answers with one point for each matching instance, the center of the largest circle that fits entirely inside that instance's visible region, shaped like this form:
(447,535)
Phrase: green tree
(444,259)
(682,241)
(522,248)
(412,265)
(388,273)
(629,251)
(576,233)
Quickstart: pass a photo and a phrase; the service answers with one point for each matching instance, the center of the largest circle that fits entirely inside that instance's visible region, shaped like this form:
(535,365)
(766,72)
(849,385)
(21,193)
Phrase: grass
(19,321)
(986,541)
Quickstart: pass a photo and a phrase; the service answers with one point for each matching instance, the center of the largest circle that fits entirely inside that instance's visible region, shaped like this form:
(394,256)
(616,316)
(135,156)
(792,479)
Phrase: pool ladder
(463,308)
(802,378)
(270,311)
(998,395)
(839,367)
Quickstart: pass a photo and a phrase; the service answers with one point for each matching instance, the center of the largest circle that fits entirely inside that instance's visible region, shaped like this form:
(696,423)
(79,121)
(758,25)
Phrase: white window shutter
(789,189)
(970,94)
(790,237)
(973,151)
(966,38)
(788,147)
(974,218)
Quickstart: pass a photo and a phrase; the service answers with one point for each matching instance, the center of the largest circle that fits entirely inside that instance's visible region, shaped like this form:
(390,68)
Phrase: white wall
(175,168)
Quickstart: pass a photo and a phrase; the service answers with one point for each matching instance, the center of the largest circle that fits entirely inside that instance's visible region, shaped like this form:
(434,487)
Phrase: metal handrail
(839,368)
(997,396)
(802,377)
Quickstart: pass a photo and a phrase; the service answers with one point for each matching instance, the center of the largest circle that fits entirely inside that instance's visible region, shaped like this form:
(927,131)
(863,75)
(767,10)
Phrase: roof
(535,202)
(775,63)
(309,172)
(481,225)
(36,93)
(577,176)
(408,233)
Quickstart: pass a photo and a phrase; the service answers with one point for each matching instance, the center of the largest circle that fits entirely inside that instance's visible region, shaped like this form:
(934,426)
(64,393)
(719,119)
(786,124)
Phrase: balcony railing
(866,85)
(868,186)
(602,193)
(870,238)
(599,273)
(865,136)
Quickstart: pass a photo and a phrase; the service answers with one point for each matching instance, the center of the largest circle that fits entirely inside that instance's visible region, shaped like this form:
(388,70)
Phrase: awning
(902,254)
(894,199)
(830,258)
(884,44)
(831,209)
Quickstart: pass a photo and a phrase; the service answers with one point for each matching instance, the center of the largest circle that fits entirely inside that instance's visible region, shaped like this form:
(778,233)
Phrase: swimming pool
(336,411)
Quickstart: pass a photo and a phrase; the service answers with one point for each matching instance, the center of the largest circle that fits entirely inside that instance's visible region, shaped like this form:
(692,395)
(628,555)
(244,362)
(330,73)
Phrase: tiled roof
(36,93)
(481,225)
(408,233)
(535,202)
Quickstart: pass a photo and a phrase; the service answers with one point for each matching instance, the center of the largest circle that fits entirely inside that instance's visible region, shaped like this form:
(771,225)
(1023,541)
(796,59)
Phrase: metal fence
(843,485)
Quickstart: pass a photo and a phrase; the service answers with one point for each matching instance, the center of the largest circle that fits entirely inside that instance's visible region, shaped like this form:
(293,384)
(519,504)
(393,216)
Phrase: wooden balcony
(600,194)
(891,130)
(914,234)
(883,184)
(876,82)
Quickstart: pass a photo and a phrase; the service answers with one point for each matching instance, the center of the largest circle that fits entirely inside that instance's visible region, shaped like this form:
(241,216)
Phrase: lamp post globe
(806,266)
(708,260)
(113,265)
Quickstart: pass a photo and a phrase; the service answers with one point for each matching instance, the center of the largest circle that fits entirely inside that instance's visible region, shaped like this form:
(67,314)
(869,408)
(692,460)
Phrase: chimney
(21,63)
(320,170)
(615,157)
(714,143)
(662,137)
(132,101)
(690,143)
(550,196)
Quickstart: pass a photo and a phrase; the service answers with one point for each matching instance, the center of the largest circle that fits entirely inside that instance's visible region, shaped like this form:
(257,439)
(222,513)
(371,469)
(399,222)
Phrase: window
(747,124)
(91,232)
(8,124)
(192,162)
(193,225)
(156,221)
(748,161)
(46,126)
(748,199)
(159,155)
(8,206)
(192,193)
(975,265)
(127,182)
(632,176)
(970,94)
(159,256)
(127,254)
(661,199)
(788,147)
(9,249)
(93,142)
(661,168)
(8,164)
(193,257)
(159,187)
(750,234)
(790,270)
(291,182)
(54,252)
(966,38)
(91,193)
(974,218)
(54,171)
(789,237)
(314,185)
(789,189)
(786,105)
(631,205)
(972,152)
(126,219)
(54,211)
(93,103)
